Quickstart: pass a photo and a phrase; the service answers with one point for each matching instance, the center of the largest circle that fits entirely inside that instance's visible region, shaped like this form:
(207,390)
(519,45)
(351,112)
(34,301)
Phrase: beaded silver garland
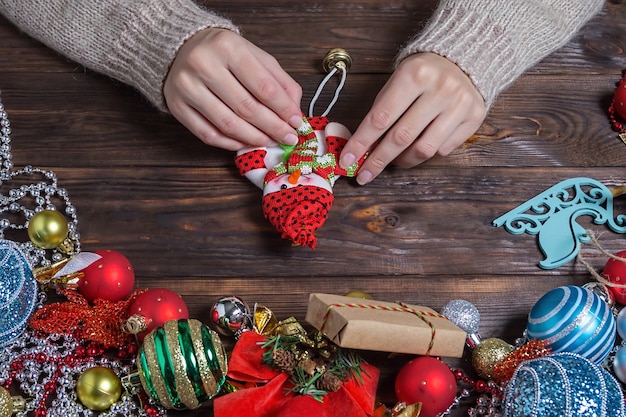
(40,192)
(33,376)
(36,377)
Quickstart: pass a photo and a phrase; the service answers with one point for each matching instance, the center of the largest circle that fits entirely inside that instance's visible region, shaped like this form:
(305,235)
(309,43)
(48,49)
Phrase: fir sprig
(305,385)
(341,363)
(277,342)
(347,364)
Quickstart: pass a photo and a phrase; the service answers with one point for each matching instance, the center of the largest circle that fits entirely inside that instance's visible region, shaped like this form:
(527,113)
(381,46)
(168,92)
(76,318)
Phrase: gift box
(357,323)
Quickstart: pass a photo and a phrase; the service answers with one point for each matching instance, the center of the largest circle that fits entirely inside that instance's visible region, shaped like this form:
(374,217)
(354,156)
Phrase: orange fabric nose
(294,177)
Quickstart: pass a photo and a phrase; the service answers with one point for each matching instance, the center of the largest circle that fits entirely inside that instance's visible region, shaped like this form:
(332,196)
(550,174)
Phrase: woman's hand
(429,106)
(231,94)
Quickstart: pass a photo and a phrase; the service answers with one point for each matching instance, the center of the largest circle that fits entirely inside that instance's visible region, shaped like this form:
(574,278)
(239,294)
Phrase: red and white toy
(297,181)
(617,109)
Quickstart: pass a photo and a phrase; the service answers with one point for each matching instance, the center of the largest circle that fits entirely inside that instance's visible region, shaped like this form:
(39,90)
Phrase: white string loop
(321,87)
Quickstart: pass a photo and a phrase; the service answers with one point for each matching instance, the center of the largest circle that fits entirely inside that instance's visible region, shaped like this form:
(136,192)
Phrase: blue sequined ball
(562,384)
(18,291)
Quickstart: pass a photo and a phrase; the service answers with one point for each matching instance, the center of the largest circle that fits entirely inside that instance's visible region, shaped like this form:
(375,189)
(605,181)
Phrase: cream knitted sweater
(135,41)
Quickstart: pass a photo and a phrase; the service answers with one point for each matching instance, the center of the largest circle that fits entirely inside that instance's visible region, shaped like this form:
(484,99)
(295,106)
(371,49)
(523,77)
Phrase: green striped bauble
(182,364)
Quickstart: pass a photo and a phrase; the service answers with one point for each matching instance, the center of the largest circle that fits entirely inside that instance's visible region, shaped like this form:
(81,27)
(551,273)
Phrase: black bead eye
(283,187)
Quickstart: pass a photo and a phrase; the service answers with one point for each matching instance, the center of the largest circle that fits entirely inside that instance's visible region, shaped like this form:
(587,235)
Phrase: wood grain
(179,210)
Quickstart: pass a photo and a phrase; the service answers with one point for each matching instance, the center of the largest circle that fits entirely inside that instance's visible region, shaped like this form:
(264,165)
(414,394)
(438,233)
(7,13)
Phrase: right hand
(231,94)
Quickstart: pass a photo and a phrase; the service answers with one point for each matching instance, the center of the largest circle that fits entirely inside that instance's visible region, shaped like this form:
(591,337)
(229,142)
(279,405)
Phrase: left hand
(428,107)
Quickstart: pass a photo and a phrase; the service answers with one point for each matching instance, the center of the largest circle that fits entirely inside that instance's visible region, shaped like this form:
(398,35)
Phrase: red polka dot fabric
(318,122)
(248,161)
(298,212)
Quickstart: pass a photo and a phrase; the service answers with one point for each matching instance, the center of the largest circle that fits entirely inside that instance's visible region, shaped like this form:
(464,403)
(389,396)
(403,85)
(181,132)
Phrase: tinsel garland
(45,368)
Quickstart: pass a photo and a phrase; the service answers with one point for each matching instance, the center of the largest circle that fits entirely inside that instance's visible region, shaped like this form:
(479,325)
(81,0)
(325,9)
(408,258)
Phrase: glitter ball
(464,314)
(619,364)
(18,291)
(621,323)
(487,354)
(562,384)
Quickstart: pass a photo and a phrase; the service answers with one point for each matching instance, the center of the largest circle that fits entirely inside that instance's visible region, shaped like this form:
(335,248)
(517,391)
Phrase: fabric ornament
(297,181)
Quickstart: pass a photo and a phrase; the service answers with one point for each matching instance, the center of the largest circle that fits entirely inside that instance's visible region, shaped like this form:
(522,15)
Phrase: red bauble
(429,381)
(615,271)
(110,278)
(157,306)
(619,98)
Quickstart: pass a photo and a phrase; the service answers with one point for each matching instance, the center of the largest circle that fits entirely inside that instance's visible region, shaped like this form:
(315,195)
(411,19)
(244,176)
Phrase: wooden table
(181,213)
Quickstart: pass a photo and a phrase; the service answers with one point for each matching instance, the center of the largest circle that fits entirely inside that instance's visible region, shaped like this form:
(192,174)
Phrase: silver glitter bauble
(619,364)
(231,316)
(464,314)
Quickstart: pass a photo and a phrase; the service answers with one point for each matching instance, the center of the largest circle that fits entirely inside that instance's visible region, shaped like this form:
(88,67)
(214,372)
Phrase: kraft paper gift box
(375,325)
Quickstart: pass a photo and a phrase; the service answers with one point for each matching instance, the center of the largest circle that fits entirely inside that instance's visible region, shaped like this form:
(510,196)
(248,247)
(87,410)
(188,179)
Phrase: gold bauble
(6,403)
(98,388)
(47,229)
(9,404)
(358,294)
(487,354)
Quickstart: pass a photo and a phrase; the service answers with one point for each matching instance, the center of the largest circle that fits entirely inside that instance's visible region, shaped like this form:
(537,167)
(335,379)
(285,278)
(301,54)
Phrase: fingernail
(347,160)
(364,177)
(290,139)
(295,121)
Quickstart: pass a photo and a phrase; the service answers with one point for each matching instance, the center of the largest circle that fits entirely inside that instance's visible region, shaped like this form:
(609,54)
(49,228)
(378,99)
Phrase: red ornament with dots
(157,306)
(615,271)
(619,98)
(429,381)
(110,278)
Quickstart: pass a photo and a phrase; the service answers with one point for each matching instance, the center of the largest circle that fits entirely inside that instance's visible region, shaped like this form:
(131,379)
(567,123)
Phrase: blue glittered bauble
(619,364)
(18,291)
(573,319)
(562,384)
(621,323)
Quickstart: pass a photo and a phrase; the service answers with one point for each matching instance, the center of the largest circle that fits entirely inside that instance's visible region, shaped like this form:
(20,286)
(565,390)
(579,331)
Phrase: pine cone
(284,360)
(328,382)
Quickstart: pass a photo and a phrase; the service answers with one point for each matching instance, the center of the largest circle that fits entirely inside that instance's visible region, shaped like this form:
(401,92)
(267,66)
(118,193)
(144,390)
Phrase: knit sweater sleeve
(495,41)
(134,41)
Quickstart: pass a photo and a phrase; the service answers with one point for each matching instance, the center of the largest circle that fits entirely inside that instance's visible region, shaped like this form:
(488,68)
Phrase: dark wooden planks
(179,210)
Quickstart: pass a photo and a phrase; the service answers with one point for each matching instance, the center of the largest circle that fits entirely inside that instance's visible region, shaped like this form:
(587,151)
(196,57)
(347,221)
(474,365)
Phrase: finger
(248,108)
(239,115)
(388,107)
(400,137)
(444,135)
(265,79)
(196,107)
(202,128)
(290,86)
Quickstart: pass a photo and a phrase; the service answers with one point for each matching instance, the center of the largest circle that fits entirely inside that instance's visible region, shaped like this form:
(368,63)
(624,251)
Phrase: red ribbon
(273,399)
